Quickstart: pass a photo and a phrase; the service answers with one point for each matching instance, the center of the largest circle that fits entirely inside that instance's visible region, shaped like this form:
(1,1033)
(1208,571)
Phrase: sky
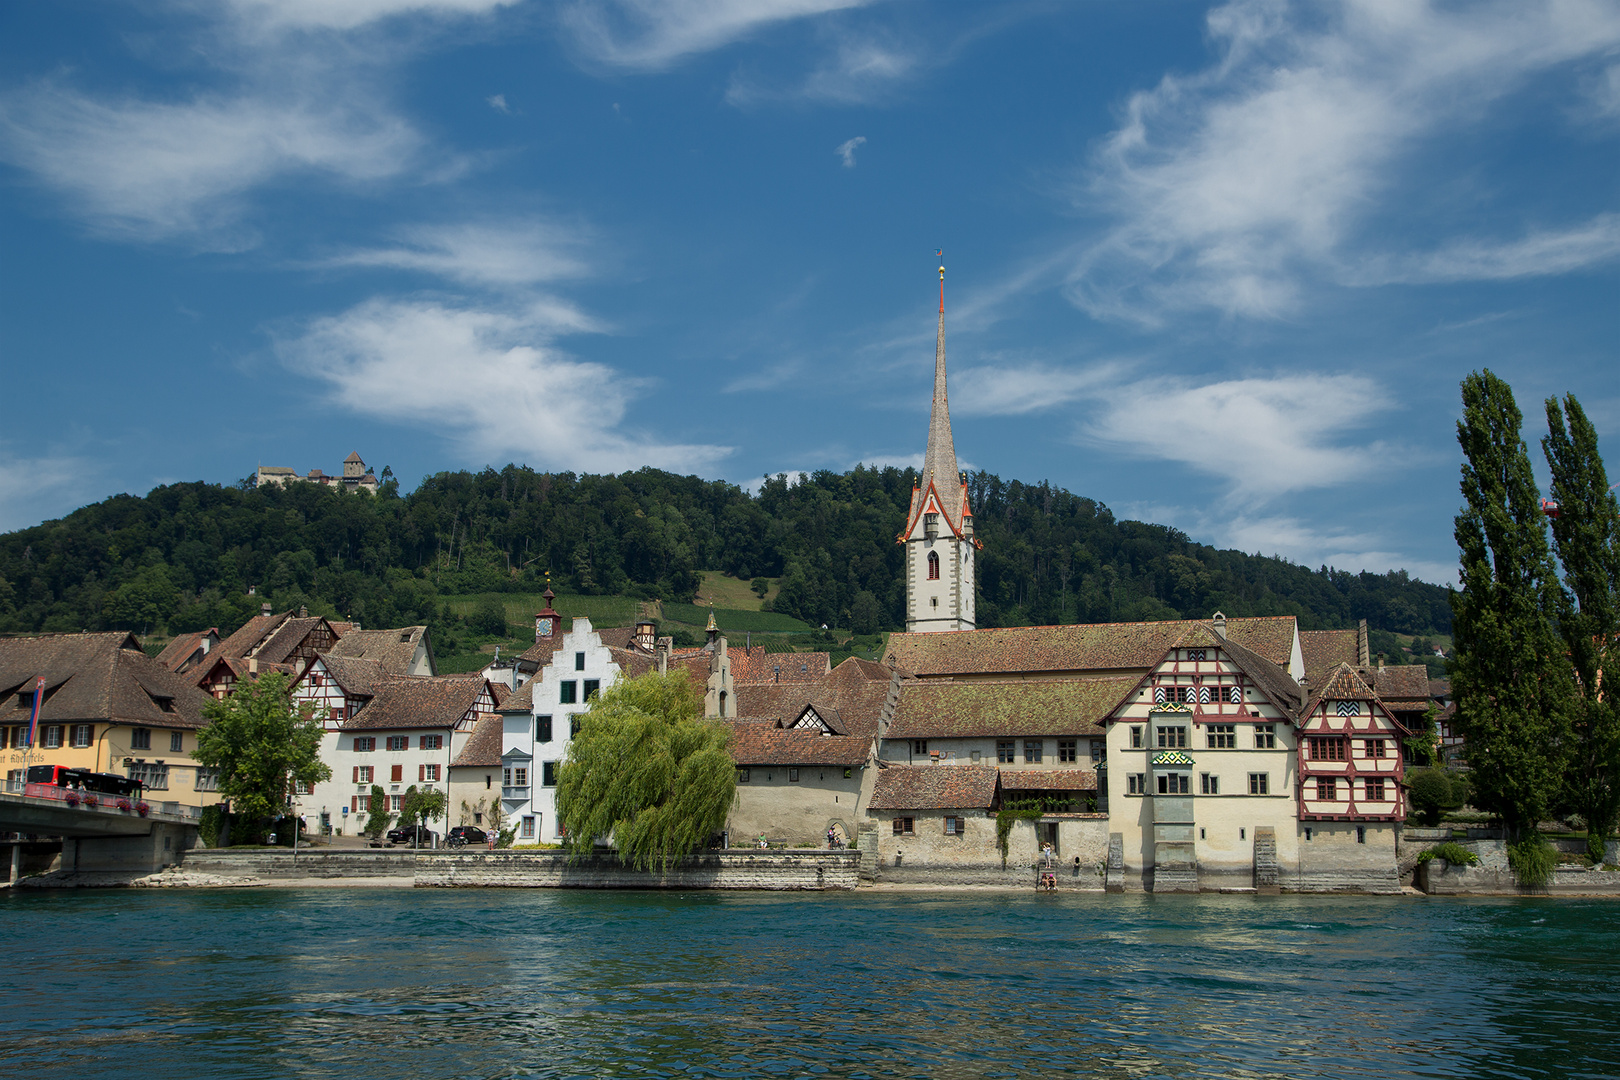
(1220,266)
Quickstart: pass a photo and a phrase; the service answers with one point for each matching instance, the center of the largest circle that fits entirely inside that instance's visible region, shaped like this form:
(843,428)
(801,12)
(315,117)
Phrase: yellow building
(108,707)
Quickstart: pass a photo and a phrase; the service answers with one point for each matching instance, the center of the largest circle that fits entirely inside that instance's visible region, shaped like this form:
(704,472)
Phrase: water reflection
(548,984)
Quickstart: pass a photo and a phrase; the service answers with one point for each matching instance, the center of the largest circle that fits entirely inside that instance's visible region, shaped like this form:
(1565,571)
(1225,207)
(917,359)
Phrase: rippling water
(415,983)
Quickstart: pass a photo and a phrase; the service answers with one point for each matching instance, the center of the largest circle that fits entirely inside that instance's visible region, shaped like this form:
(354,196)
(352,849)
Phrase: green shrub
(208,825)
(1433,791)
(1533,860)
(1452,852)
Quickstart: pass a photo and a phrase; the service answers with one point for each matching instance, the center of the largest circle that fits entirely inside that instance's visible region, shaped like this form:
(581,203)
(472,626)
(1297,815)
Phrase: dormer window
(931,524)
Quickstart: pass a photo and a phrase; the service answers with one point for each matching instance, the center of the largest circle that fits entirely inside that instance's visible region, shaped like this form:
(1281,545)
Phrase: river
(489,983)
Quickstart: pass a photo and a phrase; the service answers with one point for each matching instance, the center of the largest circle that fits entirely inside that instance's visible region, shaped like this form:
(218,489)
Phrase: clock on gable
(544,626)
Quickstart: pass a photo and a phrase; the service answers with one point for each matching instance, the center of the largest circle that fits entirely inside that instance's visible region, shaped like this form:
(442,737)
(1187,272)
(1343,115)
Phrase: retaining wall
(1440,878)
(280,864)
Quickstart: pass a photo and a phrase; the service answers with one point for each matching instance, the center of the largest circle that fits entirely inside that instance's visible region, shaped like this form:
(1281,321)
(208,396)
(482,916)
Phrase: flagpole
(33,726)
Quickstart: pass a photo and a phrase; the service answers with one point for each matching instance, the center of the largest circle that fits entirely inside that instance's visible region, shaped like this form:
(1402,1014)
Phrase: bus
(84,780)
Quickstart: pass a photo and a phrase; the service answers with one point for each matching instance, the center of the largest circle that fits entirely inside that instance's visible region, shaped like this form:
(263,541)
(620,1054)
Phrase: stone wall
(1440,878)
(273,864)
(929,855)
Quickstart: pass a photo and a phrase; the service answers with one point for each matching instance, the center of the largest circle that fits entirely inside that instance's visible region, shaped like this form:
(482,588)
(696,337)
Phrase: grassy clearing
(732,621)
(729,592)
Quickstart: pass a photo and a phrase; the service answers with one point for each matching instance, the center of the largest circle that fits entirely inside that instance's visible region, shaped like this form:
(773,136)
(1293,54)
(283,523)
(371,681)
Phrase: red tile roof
(1326,649)
(854,691)
(89,677)
(1406,682)
(424,702)
(758,744)
(934,787)
(393,649)
(1048,780)
(938,709)
(755,665)
(483,749)
(177,652)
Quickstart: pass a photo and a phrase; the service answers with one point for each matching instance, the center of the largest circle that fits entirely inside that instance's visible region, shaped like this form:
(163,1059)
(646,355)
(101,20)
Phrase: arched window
(933,566)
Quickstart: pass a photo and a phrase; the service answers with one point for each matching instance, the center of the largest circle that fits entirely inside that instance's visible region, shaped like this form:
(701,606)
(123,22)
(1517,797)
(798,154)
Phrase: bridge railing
(103,801)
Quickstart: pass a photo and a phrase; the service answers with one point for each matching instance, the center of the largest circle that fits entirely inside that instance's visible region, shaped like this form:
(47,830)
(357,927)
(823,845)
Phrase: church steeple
(939,462)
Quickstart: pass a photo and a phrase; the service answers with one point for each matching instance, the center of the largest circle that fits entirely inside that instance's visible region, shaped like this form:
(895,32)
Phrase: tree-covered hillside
(184,556)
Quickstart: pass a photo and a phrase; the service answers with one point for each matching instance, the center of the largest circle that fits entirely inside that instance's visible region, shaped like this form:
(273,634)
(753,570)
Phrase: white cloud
(41,488)
(351,14)
(1345,549)
(157,169)
(1537,254)
(649,35)
(1014,391)
(502,255)
(488,379)
(1265,437)
(498,103)
(846,150)
(1230,186)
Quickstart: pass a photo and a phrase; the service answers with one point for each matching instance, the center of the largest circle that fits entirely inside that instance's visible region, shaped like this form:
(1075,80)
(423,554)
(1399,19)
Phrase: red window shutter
(421,772)
(354,803)
(398,774)
(357,774)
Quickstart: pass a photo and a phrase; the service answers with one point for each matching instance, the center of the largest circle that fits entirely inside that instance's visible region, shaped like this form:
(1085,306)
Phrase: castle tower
(939,529)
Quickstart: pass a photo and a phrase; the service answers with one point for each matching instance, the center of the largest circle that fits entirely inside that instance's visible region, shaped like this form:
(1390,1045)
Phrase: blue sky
(1218,267)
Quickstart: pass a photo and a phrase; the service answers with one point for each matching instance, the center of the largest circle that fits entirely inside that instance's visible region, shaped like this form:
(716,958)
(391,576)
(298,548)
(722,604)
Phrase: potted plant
(142,808)
(71,798)
(125,805)
(91,802)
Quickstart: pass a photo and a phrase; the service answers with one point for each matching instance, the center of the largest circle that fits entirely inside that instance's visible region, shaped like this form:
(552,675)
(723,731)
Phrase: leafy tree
(1434,791)
(865,617)
(647,770)
(378,816)
(422,805)
(1586,536)
(260,747)
(760,586)
(489,617)
(1510,678)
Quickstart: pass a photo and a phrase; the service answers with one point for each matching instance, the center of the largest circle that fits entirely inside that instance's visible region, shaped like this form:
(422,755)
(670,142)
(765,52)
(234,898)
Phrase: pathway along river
(410,983)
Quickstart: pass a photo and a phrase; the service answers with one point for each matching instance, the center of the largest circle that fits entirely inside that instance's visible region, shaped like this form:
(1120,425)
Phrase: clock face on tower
(544,627)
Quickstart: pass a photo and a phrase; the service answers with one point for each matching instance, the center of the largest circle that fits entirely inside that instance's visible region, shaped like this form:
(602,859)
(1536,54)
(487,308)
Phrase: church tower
(939,529)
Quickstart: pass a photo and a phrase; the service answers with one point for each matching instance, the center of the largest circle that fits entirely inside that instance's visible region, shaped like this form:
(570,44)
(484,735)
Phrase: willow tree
(647,770)
(1586,536)
(1511,679)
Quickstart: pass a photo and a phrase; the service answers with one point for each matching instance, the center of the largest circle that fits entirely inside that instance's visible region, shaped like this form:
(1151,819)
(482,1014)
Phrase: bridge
(100,833)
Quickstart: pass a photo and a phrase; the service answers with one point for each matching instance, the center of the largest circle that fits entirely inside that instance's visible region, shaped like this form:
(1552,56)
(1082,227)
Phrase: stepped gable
(755,665)
(1325,650)
(403,701)
(1082,648)
(393,649)
(854,692)
(935,787)
(181,654)
(483,749)
(940,709)
(761,744)
(1048,780)
(91,677)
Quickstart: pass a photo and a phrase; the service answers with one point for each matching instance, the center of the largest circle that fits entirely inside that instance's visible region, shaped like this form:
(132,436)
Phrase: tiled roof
(1326,649)
(760,744)
(105,677)
(1407,682)
(358,678)
(1439,688)
(855,691)
(934,787)
(177,652)
(632,663)
(1048,780)
(1283,691)
(483,749)
(1084,648)
(520,700)
(540,653)
(1340,684)
(939,709)
(249,634)
(620,637)
(279,645)
(392,649)
(405,702)
(755,665)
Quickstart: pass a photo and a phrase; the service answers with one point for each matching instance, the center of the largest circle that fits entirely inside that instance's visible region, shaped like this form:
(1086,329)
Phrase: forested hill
(183,557)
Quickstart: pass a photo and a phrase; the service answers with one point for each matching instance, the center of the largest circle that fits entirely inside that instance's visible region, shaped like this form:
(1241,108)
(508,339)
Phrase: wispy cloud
(1017,390)
(498,103)
(489,379)
(276,15)
(649,35)
(1540,253)
(35,489)
(1232,187)
(846,150)
(497,254)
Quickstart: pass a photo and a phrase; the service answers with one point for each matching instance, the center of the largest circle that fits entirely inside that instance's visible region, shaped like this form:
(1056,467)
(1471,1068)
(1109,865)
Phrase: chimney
(1380,663)
(1220,624)
(1363,650)
(253,665)
(303,611)
(664,645)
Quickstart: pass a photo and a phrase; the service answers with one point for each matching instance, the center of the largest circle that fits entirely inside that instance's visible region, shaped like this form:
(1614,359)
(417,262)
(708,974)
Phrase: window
(548,774)
(152,777)
(51,736)
(364,744)
(1259,783)
(1136,738)
(793,776)
(140,739)
(1327,790)
(336,713)
(919,746)
(1068,750)
(1099,751)
(360,803)
(1265,736)
(933,566)
(1209,785)
(742,776)
(1307,832)
(574,724)
(1222,736)
(1327,749)
(362,774)
(1032,750)
(1174,784)
(933,601)
(1347,708)
(520,776)
(396,774)
(955,826)
(428,772)
(591,687)
(1377,747)
(579,661)
(301,788)
(432,742)
(1006,751)
(396,802)
(527,829)
(542,725)
(1361,834)
(398,742)
(506,778)
(1195,655)
(1375,790)
(569,692)
(903,826)
(315,678)
(1136,784)
(1172,738)
(176,742)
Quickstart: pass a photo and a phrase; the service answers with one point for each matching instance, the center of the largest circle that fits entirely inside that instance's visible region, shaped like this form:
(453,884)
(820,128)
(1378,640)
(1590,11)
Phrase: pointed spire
(939,463)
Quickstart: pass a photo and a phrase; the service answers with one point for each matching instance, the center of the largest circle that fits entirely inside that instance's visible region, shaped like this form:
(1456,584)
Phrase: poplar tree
(1511,678)
(1586,536)
(647,770)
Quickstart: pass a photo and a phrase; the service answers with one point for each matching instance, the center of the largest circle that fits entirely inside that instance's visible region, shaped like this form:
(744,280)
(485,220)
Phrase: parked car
(406,834)
(472,834)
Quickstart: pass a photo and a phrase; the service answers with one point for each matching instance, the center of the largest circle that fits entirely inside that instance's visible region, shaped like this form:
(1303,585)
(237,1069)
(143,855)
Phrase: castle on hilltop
(356,476)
